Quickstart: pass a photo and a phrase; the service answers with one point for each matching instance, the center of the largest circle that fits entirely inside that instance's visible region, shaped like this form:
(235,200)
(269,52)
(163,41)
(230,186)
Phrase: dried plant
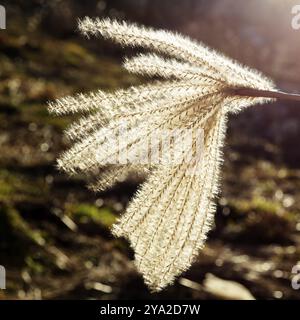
(170,215)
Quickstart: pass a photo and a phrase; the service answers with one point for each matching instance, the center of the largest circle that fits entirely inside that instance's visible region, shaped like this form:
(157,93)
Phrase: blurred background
(54,233)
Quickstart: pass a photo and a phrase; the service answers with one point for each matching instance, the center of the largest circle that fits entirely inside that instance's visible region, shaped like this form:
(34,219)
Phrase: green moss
(259,220)
(17,187)
(34,265)
(88,213)
(75,54)
(14,225)
(6,189)
(41,116)
(257,204)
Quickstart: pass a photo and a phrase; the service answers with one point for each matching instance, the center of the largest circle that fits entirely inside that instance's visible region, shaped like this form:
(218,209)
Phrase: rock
(225,289)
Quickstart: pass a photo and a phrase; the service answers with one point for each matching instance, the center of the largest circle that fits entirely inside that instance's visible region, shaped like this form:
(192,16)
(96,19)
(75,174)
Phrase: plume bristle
(169,217)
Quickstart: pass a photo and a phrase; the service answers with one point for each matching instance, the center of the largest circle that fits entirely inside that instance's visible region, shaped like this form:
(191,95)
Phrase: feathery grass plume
(170,215)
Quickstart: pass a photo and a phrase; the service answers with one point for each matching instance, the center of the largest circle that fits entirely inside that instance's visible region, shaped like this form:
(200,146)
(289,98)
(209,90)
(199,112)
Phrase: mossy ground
(54,233)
